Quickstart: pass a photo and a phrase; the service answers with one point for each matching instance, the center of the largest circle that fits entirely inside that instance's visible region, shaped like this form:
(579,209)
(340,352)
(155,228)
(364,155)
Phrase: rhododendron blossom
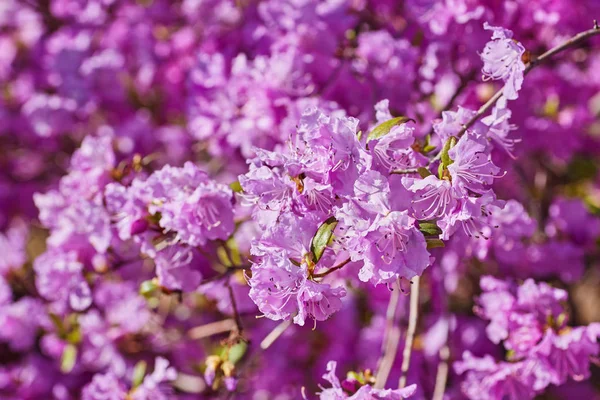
(299,199)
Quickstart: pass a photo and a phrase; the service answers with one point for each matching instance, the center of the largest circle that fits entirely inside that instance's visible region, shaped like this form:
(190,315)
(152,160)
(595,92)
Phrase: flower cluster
(174,171)
(531,322)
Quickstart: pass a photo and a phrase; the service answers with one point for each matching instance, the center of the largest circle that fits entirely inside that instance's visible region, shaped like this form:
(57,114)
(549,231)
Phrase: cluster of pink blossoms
(239,199)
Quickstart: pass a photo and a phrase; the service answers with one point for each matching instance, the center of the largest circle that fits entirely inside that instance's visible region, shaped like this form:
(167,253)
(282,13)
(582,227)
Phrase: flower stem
(575,40)
(391,339)
(412,327)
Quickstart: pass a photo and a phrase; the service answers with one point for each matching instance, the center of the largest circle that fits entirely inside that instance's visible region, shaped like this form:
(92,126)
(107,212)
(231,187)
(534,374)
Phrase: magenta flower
(472,169)
(502,60)
(337,390)
(60,279)
(104,387)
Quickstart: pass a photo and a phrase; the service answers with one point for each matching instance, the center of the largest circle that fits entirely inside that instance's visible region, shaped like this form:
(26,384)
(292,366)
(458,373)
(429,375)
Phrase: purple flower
(487,380)
(154,386)
(502,60)
(267,191)
(195,207)
(59,278)
(12,248)
(281,289)
(122,305)
(387,241)
(365,392)
(472,168)
(474,216)
(392,151)
(571,217)
(274,286)
(176,268)
(395,248)
(452,122)
(50,115)
(567,353)
(104,387)
(318,301)
(433,197)
(497,127)
(20,321)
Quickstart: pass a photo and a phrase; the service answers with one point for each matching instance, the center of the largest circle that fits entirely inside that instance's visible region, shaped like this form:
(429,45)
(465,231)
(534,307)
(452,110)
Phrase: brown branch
(236,314)
(332,269)
(412,327)
(575,40)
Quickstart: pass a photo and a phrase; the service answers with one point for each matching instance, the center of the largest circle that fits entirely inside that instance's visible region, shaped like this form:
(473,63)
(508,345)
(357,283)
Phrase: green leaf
(450,143)
(74,336)
(424,172)
(429,228)
(446,160)
(58,323)
(322,238)
(237,351)
(147,288)
(69,356)
(428,147)
(223,256)
(139,371)
(236,187)
(434,243)
(385,127)
(234,251)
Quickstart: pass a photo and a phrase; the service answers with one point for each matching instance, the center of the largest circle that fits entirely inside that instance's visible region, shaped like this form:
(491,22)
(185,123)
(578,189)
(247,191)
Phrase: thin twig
(575,40)
(391,338)
(464,83)
(442,374)
(274,334)
(236,314)
(412,327)
(213,328)
(332,269)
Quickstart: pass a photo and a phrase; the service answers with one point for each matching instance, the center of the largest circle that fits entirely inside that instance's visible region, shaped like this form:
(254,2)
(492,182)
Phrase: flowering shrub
(276,199)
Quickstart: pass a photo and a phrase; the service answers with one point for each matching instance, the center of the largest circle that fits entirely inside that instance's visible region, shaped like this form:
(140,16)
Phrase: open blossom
(173,171)
(472,168)
(75,212)
(339,390)
(12,247)
(498,128)
(488,380)
(513,312)
(392,151)
(281,289)
(531,321)
(433,197)
(196,208)
(474,216)
(155,385)
(462,195)
(104,387)
(387,241)
(60,278)
(502,59)
(567,354)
